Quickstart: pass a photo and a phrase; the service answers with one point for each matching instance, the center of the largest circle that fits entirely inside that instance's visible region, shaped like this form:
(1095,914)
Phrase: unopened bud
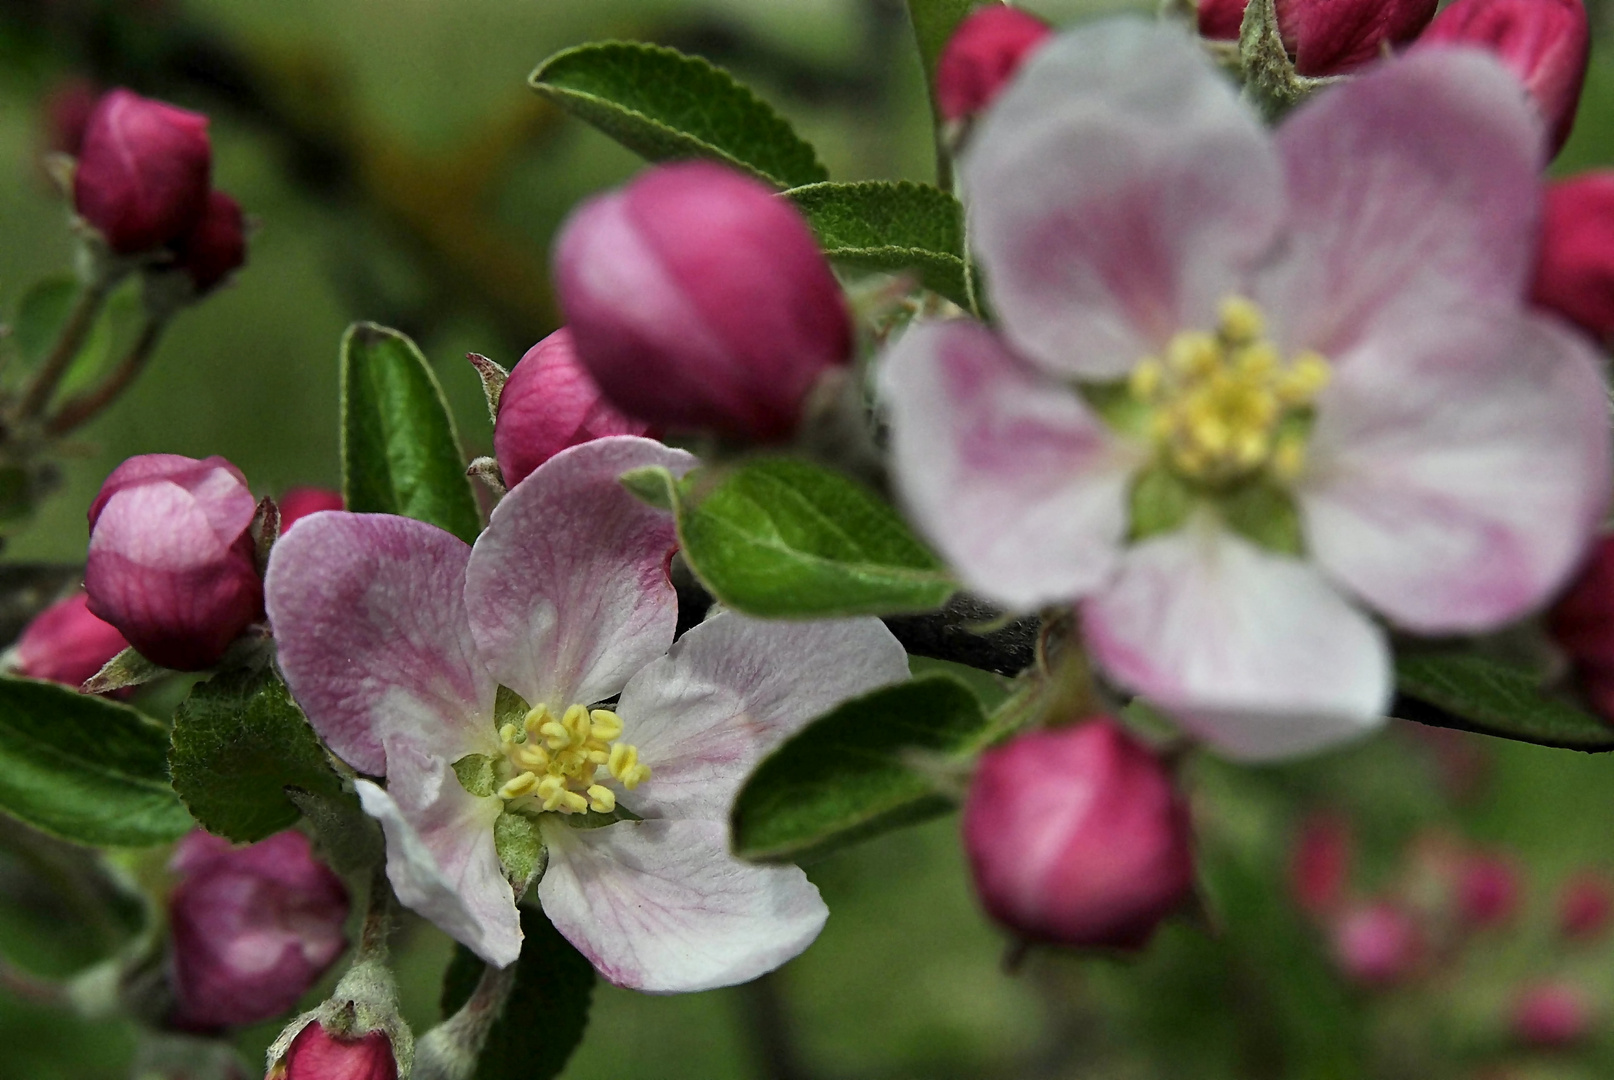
(1582,623)
(216,246)
(548,403)
(699,301)
(1377,944)
(1546,43)
(1575,264)
(1585,906)
(65,643)
(983,56)
(1078,836)
(1551,1015)
(317,1055)
(143,172)
(171,561)
(355,1034)
(1320,864)
(297,503)
(1327,37)
(1487,890)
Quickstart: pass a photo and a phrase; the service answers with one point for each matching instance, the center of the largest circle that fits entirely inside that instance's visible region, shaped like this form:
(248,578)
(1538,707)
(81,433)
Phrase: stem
(378,917)
(77,328)
(88,405)
(769,1027)
(29,987)
(450,1050)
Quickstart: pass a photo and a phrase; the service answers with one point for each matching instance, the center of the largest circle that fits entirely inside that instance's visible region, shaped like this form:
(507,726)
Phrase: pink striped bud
(1582,623)
(172,561)
(1585,906)
(216,246)
(66,643)
(1078,836)
(983,56)
(315,1054)
(297,503)
(698,300)
(1377,944)
(1575,266)
(1551,1015)
(1327,37)
(143,172)
(1487,890)
(550,402)
(1546,43)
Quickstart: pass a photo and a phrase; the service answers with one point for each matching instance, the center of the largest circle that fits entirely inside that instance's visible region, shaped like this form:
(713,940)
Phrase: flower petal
(662,906)
(730,691)
(567,589)
(1412,188)
(1117,191)
(1458,473)
(1252,650)
(1007,471)
(369,618)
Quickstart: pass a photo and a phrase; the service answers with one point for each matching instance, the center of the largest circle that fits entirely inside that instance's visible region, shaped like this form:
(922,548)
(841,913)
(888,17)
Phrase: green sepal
(1262,512)
(509,707)
(1161,502)
(520,845)
(478,774)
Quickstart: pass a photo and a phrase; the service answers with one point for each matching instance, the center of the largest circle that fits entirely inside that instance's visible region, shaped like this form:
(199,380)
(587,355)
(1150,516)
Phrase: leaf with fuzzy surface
(880,225)
(1477,693)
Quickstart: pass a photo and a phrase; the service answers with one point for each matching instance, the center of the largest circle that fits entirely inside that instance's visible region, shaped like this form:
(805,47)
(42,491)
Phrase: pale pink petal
(1412,188)
(1252,650)
(730,691)
(1458,472)
(1008,472)
(567,589)
(369,619)
(662,906)
(1117,192)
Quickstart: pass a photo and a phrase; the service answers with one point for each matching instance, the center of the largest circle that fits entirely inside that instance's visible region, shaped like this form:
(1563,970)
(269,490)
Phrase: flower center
(555,761)
(1224,406)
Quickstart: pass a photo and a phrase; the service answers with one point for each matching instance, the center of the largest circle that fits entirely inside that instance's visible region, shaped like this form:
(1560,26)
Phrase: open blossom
(395,636)
(1249,383)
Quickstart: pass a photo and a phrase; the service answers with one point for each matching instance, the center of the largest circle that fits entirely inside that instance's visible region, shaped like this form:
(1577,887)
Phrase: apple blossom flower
(982,56)
(1327,37)
(394,636)
(143,171)
(66,643)
(1247,384)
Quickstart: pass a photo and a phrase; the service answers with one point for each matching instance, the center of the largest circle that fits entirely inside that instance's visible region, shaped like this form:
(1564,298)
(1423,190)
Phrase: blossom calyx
(66,643)
(214,247)
(1078,836)
(982,56)
(1575,263)
(171,560)
(143,172)
(1327,37)
(698,300)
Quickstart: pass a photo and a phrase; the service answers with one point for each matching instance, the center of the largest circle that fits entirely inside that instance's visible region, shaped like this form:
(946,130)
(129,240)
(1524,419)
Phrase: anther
(601,799)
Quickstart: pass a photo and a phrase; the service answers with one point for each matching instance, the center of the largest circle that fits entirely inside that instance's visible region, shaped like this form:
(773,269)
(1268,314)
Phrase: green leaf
(857,771)
(664,105)
(84,768)
(1477,693)
(879,225)
(546,1013)
(239,741)
(933,24)
(400,452)
(777,537)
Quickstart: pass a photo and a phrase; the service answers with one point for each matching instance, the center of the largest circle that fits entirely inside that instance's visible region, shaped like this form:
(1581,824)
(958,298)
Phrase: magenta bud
(1320,863)
(1078,836)
(1582,623)
(1575,264)
(216,245)
(1327,37)
(1487,890)
(315,1054)
(1546,43)
(65,643)
(253,928)
(983,56)
(1585,906)
(698,300)
(1551,1015)
(171,561)
(297,503)
(1377,944)
(551,402)
(143,172)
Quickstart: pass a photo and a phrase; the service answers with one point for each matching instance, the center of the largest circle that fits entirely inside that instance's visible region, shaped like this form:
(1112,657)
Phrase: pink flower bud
(142,176)
(67,114)
(982,57)
(171,560)
(698,300)
(1487,890)
(549,403)
(297,503)
(1546,43)
(1585,906)
(253,928)
(316,1054)
(1551,1015)
(67,644)
(1575,266)
(1320,863)
(1582,623)
(1078,836)
(1327,37)
(1376,944)
(216,245)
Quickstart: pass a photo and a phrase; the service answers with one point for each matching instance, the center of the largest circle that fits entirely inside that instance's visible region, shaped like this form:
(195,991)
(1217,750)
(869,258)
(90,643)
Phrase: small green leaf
(239,741)
(84,768)
(126,669)
(933,24)
(547,1011)
(778,537)
(1477,693)
(664,105)
(857,771)
(879,225)
(400,452)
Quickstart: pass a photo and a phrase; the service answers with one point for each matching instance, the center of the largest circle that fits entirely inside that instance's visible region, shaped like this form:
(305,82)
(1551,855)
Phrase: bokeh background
(400,171)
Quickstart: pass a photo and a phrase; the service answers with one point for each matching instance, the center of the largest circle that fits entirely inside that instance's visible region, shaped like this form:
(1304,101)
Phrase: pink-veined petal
(369,618)
(567,589)
(1117,191)
(1458,472)
(730,691)
(1252,650)
(1007,471)
(1412,188)
(662,906)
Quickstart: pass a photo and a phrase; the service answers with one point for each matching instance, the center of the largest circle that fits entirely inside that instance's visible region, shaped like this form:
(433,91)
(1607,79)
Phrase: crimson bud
(299,502)
(1585,906)
(315,1054)
(216,245)
(983,56)
(1327,37)
(1575,265)
(1551,1015)
(143,172)
(1376,944)
(65,643)
(1582,623)
(1320,863)
(1487,890)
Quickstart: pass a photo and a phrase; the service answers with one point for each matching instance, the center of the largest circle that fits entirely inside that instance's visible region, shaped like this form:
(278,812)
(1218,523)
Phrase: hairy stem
(88,405)
(450,1050)
(74,332)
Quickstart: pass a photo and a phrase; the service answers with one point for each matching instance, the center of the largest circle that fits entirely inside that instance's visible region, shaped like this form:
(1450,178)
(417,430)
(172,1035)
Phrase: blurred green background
(400,172)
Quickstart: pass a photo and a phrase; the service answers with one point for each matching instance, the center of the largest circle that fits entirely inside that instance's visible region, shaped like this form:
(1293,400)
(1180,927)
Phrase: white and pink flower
(395,637)
(1249,386)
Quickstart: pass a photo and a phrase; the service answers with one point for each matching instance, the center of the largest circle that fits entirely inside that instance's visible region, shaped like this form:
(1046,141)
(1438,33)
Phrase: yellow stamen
(555,761)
